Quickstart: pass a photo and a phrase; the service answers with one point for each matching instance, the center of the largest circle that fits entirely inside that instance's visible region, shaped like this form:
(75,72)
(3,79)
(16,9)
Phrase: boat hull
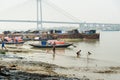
(50,46)
(13,43)
(79,36)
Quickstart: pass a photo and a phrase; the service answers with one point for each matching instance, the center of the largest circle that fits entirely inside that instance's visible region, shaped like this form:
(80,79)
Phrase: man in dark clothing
(3,45)
(78,53)
(54,47)
(54,50)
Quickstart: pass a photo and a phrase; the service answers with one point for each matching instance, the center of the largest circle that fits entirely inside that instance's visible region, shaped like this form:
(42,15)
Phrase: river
(104,49)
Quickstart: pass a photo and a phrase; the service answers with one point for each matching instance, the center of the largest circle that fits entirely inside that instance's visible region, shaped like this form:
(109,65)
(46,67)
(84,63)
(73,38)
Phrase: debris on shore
(30,71)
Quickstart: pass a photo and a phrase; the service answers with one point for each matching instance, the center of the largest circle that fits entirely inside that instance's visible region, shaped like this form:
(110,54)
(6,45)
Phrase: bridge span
(81,24)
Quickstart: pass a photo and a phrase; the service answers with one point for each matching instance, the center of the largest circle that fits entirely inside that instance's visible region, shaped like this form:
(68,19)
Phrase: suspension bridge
(39,19)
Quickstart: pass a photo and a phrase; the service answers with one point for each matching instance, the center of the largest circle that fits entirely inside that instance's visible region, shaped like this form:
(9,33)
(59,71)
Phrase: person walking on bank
(3,45)
(54,47)
(54,50)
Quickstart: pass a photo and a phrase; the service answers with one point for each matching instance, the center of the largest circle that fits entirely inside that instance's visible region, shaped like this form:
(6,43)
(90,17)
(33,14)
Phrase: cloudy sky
(102,11)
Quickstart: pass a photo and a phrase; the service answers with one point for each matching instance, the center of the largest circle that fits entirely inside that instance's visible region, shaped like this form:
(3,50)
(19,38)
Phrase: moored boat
(49,44)
(74,34)
(16,40)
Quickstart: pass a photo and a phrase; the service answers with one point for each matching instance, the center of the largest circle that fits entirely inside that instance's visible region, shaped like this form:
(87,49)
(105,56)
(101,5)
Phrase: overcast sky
(103,11)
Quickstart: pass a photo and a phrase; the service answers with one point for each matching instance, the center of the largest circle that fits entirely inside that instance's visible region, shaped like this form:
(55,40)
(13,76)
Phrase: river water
(107,48)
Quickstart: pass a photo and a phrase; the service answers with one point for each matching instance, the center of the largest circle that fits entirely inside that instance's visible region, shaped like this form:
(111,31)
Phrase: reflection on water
(53,56)
(91,41)
(57,51)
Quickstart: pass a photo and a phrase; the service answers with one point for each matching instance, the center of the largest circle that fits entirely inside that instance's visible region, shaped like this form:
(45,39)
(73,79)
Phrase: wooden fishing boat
(50,46)
(50,43)
(16,40)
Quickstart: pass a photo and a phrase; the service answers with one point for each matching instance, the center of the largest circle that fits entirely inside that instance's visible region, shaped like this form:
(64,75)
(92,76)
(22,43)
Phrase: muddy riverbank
(23,70)
(20,68)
